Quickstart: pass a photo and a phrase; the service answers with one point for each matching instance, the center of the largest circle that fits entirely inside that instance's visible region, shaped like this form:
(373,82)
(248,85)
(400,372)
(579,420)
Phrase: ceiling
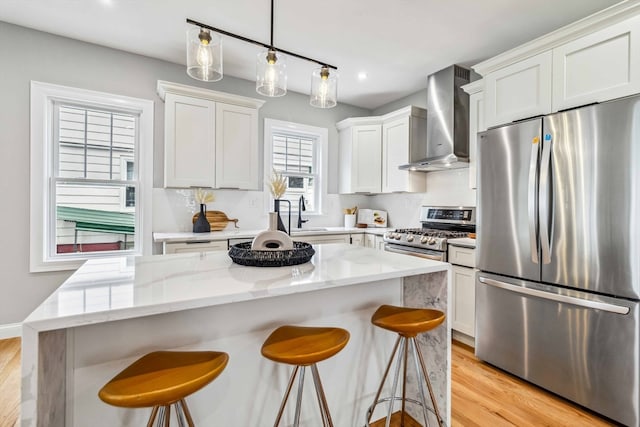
(396,42)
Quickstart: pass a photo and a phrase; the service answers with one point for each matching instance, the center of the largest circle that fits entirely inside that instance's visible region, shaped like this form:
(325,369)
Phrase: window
(298,152)
(90,175)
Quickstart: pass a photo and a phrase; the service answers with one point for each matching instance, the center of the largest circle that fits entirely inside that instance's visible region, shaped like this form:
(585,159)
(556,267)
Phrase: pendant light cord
(272,24)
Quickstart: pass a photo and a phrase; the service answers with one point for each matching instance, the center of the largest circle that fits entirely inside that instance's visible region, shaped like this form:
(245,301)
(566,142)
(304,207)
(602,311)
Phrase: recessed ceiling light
(107,2)
(362,75)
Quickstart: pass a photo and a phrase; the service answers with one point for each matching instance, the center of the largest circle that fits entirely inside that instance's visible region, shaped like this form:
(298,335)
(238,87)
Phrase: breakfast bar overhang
(113,310)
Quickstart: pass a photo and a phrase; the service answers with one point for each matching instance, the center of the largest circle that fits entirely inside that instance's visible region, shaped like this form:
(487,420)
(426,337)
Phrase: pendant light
(324,88)
(204,55)
(271,76)
(204,62)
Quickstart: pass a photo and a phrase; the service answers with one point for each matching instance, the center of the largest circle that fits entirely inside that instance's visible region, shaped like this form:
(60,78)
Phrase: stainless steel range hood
(447,144)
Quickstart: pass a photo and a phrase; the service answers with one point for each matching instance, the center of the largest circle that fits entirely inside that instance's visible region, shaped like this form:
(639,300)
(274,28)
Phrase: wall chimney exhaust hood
(447,143)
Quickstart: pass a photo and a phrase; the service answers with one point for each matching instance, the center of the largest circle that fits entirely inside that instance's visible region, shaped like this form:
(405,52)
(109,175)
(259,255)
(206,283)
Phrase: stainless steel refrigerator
(558,223)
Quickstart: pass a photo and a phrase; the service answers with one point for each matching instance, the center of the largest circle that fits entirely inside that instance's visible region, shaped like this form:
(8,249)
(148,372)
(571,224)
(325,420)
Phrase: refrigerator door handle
(545,170)
(596,305)
(532,202)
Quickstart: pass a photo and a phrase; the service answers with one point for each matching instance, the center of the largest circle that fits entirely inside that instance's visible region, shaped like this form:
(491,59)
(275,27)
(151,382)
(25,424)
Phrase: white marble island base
(66,359)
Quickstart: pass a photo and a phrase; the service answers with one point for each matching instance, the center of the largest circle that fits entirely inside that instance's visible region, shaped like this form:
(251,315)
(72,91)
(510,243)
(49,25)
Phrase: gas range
(428,238)
(438,225)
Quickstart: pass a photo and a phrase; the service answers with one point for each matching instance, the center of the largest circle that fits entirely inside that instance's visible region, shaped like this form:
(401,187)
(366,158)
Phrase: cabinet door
(236,147)
(461,255)
(598,67)
(188,247)
(476,124)
(367,159)
(380,243)
(189,138)
(396,146)
(464,300)
(369,241)
(358,240)
(519,90)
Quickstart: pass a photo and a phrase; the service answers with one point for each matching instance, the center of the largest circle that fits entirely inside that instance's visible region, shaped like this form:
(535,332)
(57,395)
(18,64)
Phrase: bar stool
(407,323)
(304,346)
(163,379)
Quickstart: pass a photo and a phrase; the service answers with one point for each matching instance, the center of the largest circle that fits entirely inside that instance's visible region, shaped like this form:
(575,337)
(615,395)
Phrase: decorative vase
(276,208)
(202,225)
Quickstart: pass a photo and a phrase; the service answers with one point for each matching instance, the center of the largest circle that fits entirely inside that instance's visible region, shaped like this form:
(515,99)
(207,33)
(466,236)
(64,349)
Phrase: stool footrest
(399,400)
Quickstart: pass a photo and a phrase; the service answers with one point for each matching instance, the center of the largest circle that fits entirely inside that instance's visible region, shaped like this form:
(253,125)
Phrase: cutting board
(218,220)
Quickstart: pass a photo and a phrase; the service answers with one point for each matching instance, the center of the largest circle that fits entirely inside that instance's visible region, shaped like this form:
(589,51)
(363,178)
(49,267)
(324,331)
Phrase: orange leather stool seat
(163,378)
(304,346)
(407,321)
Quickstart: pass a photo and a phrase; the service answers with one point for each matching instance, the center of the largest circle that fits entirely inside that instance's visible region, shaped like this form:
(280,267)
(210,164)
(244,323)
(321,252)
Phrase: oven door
(422,253)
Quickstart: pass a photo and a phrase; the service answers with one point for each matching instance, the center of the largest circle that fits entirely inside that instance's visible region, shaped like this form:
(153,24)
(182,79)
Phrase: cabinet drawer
(186,247)
(462,256)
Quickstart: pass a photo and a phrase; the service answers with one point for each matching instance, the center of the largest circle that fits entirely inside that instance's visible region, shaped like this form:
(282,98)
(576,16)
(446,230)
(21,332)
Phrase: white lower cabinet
(358,240)
(463,307)
(373,241)
(189,247)
(324,238)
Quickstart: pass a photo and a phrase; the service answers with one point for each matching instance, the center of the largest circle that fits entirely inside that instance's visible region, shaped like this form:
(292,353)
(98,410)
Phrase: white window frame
(321,135)
(42,214)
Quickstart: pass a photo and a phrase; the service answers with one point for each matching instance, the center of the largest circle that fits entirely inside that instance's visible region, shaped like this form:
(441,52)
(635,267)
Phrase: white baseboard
(10,330)
(464,338)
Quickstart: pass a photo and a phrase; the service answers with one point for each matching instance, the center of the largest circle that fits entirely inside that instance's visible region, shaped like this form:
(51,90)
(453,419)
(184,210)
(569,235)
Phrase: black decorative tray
(242,254)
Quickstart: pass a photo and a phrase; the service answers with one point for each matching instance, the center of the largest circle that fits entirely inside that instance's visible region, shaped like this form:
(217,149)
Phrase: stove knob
(398,236)
(410,238)
(431,240)
(388,235)
(424,239)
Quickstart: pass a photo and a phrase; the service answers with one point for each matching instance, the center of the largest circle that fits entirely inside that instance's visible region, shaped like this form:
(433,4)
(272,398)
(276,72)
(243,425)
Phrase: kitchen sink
(302,230)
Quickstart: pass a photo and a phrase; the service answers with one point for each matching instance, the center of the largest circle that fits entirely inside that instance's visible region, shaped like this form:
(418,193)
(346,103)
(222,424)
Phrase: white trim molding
(165,87)
(609,16)
(43,97)
(10,330)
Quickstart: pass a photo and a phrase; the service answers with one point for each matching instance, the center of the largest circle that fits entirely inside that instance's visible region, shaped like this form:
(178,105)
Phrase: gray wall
(27,55)
(418,99)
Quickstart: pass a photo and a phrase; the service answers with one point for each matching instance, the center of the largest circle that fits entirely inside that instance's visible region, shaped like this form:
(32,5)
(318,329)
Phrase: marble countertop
(237,233)
(109,289)
(462,241)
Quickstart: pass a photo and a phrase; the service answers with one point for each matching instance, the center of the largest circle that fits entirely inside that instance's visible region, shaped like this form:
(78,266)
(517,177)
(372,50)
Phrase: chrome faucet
(301,208)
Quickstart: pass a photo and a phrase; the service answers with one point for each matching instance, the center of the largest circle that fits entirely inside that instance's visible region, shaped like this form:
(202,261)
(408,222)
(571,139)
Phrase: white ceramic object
(350,221)
(272,240)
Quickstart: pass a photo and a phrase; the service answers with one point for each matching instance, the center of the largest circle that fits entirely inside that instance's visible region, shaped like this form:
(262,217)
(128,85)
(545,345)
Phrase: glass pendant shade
(204,55)
(324,88)
(271,74)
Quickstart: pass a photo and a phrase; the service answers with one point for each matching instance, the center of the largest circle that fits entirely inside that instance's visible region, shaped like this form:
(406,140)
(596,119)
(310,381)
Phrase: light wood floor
(481,395)
(9,382)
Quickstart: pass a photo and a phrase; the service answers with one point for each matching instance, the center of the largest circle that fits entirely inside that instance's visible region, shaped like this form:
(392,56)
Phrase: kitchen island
(113,310)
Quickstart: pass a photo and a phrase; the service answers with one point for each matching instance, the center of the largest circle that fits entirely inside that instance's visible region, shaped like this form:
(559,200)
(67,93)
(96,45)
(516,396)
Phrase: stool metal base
(322,400)
(404,343)
(163,415)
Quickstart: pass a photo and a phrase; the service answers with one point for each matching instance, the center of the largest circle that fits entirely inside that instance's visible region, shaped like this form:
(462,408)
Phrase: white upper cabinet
(189,135)
(211,138)
(360,157)
(519,90)
(476,124)
(403,137)
(594,59)
(600,66)
(236,147)
(372,148)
